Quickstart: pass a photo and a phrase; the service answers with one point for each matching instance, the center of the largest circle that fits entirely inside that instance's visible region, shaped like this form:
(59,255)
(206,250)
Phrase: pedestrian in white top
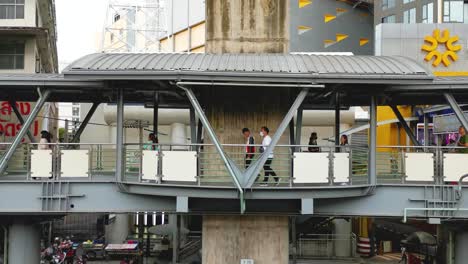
(264,132)
(44,141)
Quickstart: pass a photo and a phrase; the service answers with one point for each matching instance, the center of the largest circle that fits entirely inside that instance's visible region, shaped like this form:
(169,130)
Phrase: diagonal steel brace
(21,119)
(232,168)
(24,129)
(254,169)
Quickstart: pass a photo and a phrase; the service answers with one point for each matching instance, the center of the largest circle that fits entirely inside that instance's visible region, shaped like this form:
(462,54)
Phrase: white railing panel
(455,166)
(341,167)
(179,166)
(311,167)
(74,163)
(149,165)
(419,167)
(41,163)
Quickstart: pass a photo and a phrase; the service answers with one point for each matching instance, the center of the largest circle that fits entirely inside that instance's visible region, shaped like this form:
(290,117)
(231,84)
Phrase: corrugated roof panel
(348,65)
(263,63)
(362,64)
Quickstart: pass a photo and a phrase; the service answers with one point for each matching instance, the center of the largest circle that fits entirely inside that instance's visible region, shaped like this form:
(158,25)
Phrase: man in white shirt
(264,131)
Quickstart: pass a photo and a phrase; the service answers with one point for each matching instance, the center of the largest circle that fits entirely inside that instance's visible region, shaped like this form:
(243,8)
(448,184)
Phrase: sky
(79,27)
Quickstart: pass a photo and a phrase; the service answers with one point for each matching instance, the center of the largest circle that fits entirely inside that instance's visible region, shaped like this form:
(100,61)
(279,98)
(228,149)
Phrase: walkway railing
(201,164)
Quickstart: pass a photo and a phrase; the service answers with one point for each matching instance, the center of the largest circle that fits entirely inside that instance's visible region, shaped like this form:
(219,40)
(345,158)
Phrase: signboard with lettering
(9,124)
(446,123)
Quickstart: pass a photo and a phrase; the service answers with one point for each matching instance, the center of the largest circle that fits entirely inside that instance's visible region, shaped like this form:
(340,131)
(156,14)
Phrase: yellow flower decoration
(433,53)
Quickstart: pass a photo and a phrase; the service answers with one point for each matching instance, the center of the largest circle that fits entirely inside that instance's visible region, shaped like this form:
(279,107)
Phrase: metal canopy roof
(287,67)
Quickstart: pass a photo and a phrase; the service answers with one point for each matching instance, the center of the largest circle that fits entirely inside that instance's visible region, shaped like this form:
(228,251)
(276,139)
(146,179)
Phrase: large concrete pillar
(24,244)
(228,239)
(247,26)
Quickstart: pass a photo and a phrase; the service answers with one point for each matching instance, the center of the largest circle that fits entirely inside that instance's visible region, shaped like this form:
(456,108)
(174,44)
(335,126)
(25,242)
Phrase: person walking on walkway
(462,140)
(249,147)
(264,132)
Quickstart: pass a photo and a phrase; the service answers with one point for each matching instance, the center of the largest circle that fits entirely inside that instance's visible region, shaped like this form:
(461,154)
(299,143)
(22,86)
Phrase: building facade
(27,45)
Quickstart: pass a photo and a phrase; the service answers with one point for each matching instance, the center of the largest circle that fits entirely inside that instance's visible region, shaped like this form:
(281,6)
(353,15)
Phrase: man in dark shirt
(462,140)
(249,147)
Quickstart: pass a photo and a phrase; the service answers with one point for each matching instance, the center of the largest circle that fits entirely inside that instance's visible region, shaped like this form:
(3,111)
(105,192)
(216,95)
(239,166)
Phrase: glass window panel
(465,13)
(7,1)
(19,59)
(20,1)
(406,17)
(446,8)
(10,12)
(19,11)
(430,13)
(2,12)
(456,11)
(412,18)
(7,62)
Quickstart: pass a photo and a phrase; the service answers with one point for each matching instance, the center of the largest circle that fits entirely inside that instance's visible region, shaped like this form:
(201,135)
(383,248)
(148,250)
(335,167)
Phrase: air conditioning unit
(247,261)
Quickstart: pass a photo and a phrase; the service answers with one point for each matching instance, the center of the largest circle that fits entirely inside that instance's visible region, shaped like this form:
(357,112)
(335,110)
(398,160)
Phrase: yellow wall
(387,135)
(181,39)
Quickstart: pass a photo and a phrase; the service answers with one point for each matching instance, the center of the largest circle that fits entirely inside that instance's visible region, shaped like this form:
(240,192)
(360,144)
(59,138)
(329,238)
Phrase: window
(116,17)
(407,1)
(11,56)
(428,13)
(388,4)
(389,19)
(453,11)
(409,16)
(11,9)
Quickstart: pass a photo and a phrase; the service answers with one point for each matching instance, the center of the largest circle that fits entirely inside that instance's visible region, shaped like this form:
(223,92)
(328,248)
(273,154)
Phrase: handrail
(236,145)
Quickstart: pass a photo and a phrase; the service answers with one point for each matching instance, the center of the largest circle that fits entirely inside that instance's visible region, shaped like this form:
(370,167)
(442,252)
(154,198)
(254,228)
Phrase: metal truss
(245,179)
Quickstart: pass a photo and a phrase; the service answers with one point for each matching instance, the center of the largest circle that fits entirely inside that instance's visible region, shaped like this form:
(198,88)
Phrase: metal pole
(119,136)
(21,120)
(426,131)
(294,238)
(291,135)
(67,127)
(299,115)
(155,114)
(405,126)
(175,240)
(337,121)
(457,110)
(372,170)
(199,131)
(19,137)
(193,129)
(85,122)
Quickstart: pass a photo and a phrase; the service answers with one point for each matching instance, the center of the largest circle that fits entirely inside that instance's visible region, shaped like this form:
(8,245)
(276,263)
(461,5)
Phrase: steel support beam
(85,122)
(251,173)
(292,138)
(24,129)
(372,169)
(232,168)
(405,125)
(155,114)
(193,128)
(299,118)
(457,110)
(21,120)
(426,130)
(119,161)
(337,120)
